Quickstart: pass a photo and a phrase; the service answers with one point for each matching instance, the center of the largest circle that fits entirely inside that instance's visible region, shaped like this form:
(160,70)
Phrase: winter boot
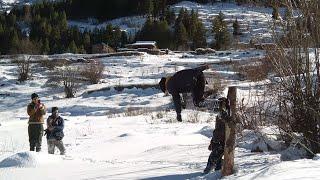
(179,117)
(208,169)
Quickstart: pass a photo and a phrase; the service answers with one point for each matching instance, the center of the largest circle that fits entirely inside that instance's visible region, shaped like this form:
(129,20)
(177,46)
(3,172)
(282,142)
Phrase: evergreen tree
(163,34)
(156,8)
(63,23)
(87,42)
(45,46)
(181,37)
(199,38)
(149,7)
(72,47)
(11,20)
(193,23)
(124,38)
(236,28)
(163,6)
(221,34)
(170,16)
(146,31)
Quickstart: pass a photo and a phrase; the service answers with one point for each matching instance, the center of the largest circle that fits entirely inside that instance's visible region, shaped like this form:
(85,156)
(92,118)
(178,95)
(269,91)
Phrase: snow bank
(27,159)
(206,131)
(259,142)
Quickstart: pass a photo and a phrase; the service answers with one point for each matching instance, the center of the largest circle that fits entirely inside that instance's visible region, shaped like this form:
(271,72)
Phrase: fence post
(230,134)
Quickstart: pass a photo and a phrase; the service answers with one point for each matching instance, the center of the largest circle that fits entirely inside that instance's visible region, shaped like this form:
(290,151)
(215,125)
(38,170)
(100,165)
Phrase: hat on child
(54,109)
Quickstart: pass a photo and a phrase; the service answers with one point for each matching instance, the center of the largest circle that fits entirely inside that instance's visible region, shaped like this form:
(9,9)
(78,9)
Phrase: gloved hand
(210,147)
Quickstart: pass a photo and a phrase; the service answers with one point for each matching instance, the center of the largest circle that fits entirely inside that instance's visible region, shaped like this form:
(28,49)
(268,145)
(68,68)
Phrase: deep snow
(131,134)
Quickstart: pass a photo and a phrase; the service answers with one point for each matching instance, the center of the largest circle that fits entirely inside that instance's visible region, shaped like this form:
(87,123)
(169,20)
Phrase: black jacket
(186,80)
(58,125)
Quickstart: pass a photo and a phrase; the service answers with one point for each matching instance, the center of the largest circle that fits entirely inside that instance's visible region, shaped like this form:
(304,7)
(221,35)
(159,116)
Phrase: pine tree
(236,28)
(163,34)
(181,37)
(124,38)
(72,47)
(45,46)
(149,7)
(11,20)
(193,22)
(170,16)
(146,31)
(221,34)
(87,41)
(199,38)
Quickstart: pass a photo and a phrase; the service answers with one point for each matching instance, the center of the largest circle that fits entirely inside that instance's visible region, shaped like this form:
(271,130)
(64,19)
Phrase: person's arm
(42,109)
(60,126)
(31,110)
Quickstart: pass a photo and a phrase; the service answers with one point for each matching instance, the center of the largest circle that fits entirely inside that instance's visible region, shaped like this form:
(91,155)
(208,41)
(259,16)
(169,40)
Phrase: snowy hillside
(255,22)
(129,134)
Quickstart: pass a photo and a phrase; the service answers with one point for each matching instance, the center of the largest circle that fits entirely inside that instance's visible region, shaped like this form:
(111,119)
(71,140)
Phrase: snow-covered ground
(129,134)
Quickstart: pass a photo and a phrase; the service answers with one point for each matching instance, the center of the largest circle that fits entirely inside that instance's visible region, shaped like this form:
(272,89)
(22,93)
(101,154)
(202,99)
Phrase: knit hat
(54,109)
(34,95)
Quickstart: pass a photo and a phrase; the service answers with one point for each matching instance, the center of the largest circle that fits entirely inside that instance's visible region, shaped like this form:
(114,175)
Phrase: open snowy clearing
(129,134)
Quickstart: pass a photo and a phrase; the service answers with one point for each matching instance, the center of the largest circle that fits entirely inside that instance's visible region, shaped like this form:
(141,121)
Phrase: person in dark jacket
(184,81)
(36,110)
(217,142)
(54,131)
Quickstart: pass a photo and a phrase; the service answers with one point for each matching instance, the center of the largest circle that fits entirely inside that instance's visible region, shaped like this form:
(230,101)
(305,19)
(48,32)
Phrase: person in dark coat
(36,110)
(217,142)
(54,132)
(184,81)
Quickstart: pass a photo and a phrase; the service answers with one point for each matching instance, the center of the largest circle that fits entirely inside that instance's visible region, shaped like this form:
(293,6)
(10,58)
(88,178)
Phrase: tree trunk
(228,163)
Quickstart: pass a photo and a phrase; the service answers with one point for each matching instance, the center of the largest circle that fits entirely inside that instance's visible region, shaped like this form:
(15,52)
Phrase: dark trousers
(35,132)
(198,90)
(215,158)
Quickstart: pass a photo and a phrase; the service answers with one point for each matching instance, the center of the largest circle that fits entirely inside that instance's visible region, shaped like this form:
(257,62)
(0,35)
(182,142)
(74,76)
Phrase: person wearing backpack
(54,132)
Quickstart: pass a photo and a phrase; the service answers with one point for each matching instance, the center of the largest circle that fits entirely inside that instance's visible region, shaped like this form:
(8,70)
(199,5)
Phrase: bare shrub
(194,117)
(297,65)
(93,71)
(256,71)
(135,111)
(48,64)
(24,68)
(69,78)
(215,83)
(257,109)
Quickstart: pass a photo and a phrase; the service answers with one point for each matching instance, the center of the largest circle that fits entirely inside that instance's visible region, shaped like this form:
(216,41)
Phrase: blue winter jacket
(58,125)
